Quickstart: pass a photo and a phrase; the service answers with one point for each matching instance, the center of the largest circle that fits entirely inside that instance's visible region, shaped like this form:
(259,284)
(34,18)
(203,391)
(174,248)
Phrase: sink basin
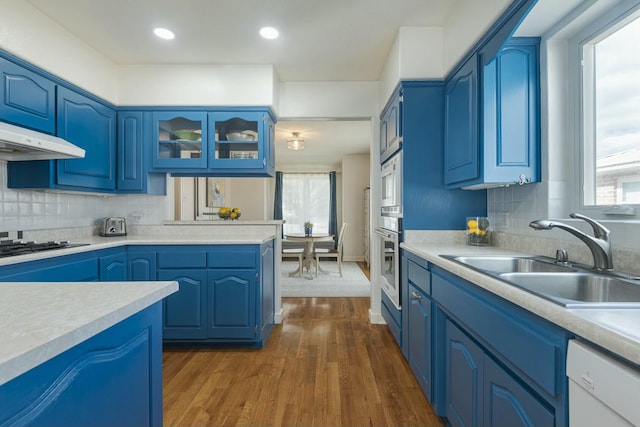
(511,264)
(570,285)
(579,289)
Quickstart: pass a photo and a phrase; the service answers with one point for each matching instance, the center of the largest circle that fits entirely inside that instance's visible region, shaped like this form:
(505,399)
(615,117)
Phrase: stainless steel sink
(579,289)
(511,264)
(570,285)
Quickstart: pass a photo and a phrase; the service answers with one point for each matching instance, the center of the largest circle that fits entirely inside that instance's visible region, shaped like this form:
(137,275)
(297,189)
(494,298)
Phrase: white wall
(166,84)
(467,22)
(355,177)
(301,100)
(416,53)
(30,35)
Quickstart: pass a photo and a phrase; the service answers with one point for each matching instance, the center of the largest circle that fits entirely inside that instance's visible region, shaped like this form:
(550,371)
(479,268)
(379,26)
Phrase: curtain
(277,200)
(333,208)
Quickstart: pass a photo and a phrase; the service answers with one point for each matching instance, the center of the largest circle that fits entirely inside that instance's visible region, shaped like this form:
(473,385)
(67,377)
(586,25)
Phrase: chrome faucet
(598,244)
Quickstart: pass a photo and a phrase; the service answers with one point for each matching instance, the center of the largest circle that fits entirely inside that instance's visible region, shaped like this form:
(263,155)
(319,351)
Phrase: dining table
(309,241)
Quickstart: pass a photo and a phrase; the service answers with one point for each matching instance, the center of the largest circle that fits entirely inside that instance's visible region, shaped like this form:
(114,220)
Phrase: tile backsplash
(32,210)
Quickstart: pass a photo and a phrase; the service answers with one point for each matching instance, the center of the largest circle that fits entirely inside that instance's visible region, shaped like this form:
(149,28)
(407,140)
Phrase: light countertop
(42,320)
(617,330)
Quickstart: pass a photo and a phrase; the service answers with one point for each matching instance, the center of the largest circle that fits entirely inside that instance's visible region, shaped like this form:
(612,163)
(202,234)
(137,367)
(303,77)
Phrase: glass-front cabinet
(178,138)
(233,142)
(237,139)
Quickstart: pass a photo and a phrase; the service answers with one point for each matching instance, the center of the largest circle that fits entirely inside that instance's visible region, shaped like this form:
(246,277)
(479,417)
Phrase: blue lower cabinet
(509,403)
(70,268)
(141,265)
(112,379)
(232,304)
(113,267)
(420,319)
(185,311)
(463,378)
(502,365)
(225,296)
(393,316)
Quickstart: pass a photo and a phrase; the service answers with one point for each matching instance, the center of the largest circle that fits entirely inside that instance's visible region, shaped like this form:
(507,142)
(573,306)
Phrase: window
(305,197)
(611,113)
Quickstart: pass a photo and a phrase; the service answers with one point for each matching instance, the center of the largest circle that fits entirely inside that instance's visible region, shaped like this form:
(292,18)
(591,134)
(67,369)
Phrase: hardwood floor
(325,365)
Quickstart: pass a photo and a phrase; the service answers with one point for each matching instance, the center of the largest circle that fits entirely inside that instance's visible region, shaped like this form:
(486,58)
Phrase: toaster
(114,226)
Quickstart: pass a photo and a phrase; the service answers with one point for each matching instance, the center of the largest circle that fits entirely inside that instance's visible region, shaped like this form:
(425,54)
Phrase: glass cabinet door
(238,139)
(179,139)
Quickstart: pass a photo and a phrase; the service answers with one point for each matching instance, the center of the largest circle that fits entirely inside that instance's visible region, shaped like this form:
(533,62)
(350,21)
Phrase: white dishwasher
(603,391)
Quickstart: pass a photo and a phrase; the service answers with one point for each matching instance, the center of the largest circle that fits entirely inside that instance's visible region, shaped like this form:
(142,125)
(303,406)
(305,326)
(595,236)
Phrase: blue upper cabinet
(26,98)
(179,139)
(391,127)
(134,156)
(511,117)
(461,142)
(498,144)
(87,123)
(214,142)
(91,126)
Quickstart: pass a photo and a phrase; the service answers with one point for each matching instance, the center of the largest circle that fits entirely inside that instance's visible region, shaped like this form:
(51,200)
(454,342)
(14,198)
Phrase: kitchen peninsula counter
(617,330)
(43,320)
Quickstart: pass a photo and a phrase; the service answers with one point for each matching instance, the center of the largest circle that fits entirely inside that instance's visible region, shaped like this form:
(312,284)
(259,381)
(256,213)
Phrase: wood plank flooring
(325,365)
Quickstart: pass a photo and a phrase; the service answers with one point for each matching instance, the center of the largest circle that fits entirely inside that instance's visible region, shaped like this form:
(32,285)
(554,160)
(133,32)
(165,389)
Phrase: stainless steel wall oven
(389,231)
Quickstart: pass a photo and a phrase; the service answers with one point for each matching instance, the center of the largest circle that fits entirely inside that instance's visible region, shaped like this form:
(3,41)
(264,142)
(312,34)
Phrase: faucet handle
(599,230)
(562,256)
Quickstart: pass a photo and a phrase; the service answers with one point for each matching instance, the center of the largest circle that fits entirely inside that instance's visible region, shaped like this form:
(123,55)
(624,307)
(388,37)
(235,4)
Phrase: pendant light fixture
(295,143)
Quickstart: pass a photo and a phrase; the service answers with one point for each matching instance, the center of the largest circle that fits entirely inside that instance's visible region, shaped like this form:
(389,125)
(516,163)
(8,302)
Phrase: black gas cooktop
(20,247)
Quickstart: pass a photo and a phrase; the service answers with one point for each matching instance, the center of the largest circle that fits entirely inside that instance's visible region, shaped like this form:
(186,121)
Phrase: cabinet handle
(415,295)
(264,161)
(257,277)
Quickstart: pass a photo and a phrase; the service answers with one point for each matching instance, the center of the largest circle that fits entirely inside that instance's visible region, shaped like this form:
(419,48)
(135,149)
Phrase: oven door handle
(384,234)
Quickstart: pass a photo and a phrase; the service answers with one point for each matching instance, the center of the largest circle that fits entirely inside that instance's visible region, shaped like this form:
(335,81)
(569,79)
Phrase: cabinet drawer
(188,258)
(531,345)
(232,257)
(419,276)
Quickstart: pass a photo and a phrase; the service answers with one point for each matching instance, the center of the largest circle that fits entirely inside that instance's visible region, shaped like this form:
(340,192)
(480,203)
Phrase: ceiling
(327,40)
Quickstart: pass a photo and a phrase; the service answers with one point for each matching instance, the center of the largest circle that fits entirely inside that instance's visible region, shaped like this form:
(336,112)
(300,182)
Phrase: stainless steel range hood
(17,143)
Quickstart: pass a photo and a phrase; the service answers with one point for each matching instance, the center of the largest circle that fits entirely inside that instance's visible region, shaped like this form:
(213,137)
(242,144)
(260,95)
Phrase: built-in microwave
(391,186)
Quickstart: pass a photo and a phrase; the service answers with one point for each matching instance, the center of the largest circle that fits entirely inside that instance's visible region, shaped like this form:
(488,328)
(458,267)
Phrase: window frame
(584,144)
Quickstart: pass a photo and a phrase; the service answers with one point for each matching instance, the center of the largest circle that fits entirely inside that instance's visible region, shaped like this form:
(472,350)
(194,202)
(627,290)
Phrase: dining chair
(332,253)
(295,253)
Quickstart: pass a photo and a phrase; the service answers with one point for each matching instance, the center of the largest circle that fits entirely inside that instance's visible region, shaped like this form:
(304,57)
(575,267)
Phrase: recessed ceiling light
(163,33)
(269,33)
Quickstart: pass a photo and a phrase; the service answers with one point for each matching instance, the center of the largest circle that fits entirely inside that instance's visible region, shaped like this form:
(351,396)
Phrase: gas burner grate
(20,247)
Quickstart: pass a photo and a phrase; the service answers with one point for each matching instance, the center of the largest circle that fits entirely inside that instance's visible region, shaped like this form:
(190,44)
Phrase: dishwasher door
(603,391)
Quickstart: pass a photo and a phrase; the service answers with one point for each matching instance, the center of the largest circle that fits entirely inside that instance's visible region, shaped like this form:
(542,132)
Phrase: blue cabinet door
(179,140)
(508,403)
(461,142)
(391,127)
(185,312)
(239,141)
(134,156)
(142,265)
(130,156)
(113,268)
(232,304)
(26,98)
(511,136)
(420,321)
(463,378)
(91,126)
